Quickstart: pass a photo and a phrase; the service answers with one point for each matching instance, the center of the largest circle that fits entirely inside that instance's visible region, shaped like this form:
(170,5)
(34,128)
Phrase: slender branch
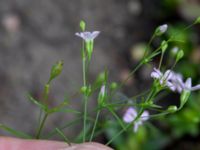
(41,126)
(95,124)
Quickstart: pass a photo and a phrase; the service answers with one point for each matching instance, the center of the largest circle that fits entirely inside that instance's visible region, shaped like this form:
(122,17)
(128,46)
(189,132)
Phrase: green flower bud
(101,77)
(164,46)
(113,85)
(172,109)
(86,90)
(161,30)
(82,25)
(146,60)
(184,97)
(179,55)
(56,70)
(83,89)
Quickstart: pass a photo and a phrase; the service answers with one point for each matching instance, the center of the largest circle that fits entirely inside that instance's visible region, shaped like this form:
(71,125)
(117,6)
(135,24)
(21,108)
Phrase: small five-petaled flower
(130,116)
(88,36)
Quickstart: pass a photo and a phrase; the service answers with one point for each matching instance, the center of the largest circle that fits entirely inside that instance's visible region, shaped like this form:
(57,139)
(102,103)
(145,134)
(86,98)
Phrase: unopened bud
(184,97)
(56,70)
(86,90)
(102,94)
(179,55)
(82,25)
(113,85)
(161,30)
(172,109)
(164,46)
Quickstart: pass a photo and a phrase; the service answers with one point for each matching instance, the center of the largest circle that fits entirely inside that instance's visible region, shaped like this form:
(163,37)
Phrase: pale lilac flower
(131,114)
(88,36)
(156,74)
(188,85)
(163,78)
(174,81)
(163,28)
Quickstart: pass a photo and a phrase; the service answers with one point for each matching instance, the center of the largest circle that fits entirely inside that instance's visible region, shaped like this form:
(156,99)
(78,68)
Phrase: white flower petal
(95,34)
(88,36)
(135,127)
(188,84)
(197,87)
(157,74)
(129,115)
(168,75)
(171,86)
(163,28)
(145,116)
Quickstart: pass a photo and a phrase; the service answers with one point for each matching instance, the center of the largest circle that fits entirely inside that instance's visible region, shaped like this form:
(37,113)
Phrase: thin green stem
(161,59)
(118,134)
(148,46)
(95,124)
(131,73)
(85,97)
(64,137)
(85,118)
(41,126)
(116,116)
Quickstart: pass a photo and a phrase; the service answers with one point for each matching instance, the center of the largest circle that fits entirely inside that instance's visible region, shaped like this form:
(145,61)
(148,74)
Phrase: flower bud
(179,55)
(102,95)
(86,90)
(102,77)
(82,25)
(161,30)
(172,109)
(113,85)
(164,46)
(184,97)
(56,70)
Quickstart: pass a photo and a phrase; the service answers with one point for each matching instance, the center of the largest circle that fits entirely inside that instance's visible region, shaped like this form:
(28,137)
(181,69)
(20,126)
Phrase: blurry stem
(85,117)
(41,125)
(141,62)
(64,137)
(116,116)
(148,45)
(95,123)
(131,73)
(161,59)
(40,121)
(85,96)
(189,26)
